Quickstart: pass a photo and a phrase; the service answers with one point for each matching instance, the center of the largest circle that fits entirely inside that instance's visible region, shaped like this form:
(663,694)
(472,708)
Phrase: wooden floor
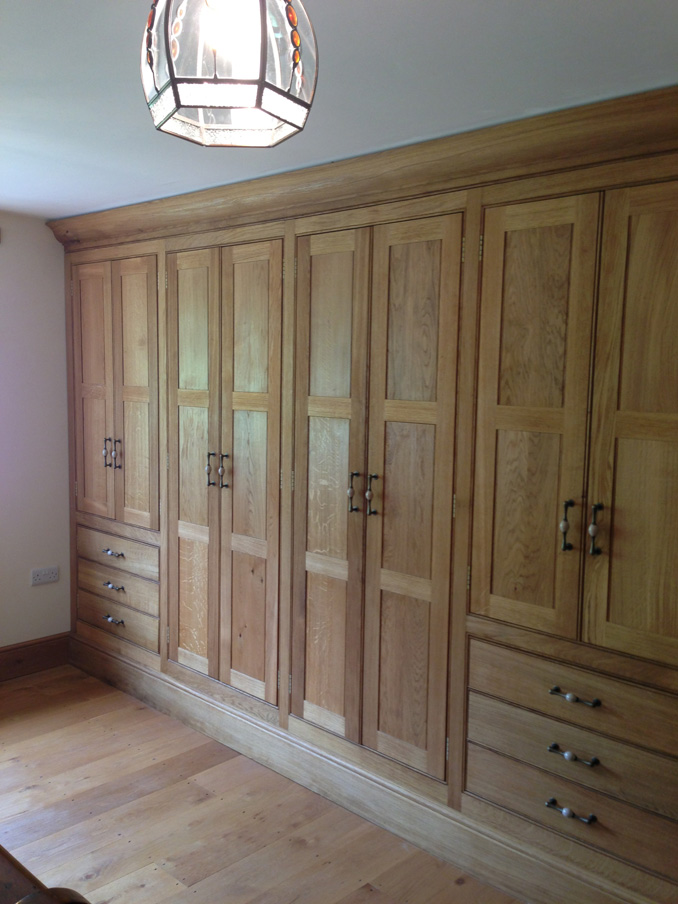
(104,795)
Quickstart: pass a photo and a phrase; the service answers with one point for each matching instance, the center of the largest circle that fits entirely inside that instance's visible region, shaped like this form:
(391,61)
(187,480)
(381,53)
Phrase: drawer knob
(568,813)
(109,552)
(111,586)
(572,757)
(113,621)
(573,698)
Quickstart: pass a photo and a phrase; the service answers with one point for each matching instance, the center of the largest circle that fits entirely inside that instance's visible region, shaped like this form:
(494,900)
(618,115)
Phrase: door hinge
(292,481)
(289,686)
(72,289)
(278,679)
(463,250)
(167,460)
(480,248)
(167,635)
(454,505)
(468,578)
(76,489)
(447,750)
(166,280)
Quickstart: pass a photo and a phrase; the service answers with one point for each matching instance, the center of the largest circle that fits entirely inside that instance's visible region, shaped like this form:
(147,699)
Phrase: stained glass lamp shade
(229,73)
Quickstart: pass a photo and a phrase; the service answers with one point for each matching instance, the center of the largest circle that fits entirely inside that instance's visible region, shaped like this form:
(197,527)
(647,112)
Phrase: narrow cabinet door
(631,588)
(135,340)
(93,388)
(193,429)
(415,303)
(249,467)
(538,275)
(332,337)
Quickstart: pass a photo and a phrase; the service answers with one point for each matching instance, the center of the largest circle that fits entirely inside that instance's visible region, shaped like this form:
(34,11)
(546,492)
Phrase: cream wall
(33,431)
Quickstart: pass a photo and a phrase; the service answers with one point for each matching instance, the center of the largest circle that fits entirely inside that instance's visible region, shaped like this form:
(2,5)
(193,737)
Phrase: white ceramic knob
(568,755)
(567,812)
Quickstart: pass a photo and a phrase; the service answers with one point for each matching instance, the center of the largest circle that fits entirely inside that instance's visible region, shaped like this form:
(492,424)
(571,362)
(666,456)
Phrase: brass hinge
(168,461)
(278,679)
(480,249)
(289,686)
(468,578)
(292,481)
(281,486)
(168,635)
(166,280)
(463,250)
(454,505)
(447,749)
(76,489)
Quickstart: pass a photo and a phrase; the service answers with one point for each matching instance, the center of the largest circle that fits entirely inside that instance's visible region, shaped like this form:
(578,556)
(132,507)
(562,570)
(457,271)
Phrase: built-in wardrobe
(374,473)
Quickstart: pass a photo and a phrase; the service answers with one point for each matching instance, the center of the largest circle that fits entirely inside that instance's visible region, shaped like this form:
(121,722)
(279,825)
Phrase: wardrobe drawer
(119,586)
(118,552)
(635,835)
(128,624)
(637,776)
(636,714)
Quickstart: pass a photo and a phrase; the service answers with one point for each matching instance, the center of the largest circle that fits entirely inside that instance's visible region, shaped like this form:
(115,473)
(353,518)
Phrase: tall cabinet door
(135,332)
(193,429)
(415,303)
(538,284)
(249,484)
(631,590)
(93,388)
(332,344)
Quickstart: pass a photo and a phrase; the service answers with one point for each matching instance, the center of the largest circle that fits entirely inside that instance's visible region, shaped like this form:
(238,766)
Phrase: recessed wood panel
(193,336)
(135,339)
(328,467)
(403,669)
(331,324)
(406,494)
(526,517)
(193,596)
(94,475)
(536,291)
(93,331)
(250,325)
(136,457)
(643,565)
(249,473)
(325,642)
(413,300)
(192,480)
(649,362)
(248,616)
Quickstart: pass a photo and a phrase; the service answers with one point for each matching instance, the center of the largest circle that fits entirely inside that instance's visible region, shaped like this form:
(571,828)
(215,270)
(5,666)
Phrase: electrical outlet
(45,575)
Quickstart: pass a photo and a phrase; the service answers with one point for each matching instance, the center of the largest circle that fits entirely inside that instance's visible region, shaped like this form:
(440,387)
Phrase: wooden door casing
(537,303)
(414,324)
(93,387)
(332,338)
(250,435)
(194,384)
(631,586)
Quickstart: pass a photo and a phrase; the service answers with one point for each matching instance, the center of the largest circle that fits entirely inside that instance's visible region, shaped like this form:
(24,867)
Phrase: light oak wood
(33,656)
(129,624)
(125,803)
(118,552)
(128,589)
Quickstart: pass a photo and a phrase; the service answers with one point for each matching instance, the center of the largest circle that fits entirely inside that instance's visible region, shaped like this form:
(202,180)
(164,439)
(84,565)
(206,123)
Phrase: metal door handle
(593,529)
(564,525)
(114,454)
(105,451)
(350,492)
(208,469)
(222,470)
(369,495)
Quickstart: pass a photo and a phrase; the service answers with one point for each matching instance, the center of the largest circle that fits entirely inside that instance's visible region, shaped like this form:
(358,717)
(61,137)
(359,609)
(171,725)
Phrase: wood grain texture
(101,793)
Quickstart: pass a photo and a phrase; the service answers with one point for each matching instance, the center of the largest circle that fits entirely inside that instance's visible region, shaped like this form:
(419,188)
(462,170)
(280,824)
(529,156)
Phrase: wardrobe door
(93,389)
(249,486)
(135,341)
(632,563)
(538,284)
(193,429)
(332,336)
(415,301)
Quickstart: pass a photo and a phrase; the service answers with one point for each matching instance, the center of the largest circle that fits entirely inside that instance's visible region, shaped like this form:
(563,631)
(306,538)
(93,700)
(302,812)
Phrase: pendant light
(229,73)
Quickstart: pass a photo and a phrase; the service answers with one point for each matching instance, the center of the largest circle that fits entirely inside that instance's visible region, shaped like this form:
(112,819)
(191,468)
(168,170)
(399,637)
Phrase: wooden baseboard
(33,656)
(509,864)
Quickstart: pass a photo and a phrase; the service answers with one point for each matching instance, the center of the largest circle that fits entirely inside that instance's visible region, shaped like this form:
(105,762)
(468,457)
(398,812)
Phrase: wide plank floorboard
(102,794)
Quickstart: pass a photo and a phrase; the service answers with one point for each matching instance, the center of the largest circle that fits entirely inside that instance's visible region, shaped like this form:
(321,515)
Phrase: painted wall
(33,431)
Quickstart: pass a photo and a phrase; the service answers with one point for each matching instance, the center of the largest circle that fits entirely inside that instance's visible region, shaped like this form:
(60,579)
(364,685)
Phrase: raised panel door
(250,437)
(332,337)
(135,330)
(414,320)
(537,299)
(93,389)
(193,429)
(631,587)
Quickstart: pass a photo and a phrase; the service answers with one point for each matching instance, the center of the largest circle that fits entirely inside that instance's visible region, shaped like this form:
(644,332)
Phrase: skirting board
(524,872)
(33,656)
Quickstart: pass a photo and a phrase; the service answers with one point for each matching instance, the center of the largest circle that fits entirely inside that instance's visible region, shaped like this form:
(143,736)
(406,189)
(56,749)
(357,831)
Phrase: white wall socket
(45,575)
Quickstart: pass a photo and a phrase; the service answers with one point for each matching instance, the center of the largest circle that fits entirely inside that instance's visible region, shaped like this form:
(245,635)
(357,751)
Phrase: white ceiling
(76,136)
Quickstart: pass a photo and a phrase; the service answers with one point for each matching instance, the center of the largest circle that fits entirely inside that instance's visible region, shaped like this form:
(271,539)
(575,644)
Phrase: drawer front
(119,586)
(128,624)
(118,552)
(635,835)
(639,715)
(646,779)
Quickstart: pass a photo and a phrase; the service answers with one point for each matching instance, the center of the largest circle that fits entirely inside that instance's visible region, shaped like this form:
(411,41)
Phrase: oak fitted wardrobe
(374,478)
